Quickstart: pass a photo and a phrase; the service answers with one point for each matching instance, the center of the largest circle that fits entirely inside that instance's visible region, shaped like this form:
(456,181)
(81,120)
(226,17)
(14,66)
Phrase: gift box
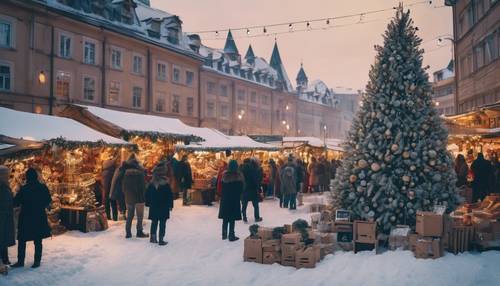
(429,224)
(252,251)
(305,258)
(365,232)
(428,248)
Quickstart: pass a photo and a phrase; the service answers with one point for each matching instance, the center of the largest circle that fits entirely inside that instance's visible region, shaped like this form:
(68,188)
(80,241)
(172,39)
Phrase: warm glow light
(38,109)
(283,122)
(324,127)
(240,116)
(437,103)
(287,127)
(41,77)
(287,107)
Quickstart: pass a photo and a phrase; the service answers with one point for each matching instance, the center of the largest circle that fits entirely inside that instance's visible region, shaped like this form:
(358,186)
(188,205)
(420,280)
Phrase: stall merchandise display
(70,175)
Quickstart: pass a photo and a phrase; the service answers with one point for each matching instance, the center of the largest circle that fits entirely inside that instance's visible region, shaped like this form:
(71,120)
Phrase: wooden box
(74,218)
(365,232)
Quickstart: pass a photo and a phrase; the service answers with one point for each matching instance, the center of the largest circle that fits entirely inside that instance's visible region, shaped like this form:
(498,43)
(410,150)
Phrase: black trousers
(112,209)
(255,204)
(228,227)
(21,251)
(163,226)
(4,253)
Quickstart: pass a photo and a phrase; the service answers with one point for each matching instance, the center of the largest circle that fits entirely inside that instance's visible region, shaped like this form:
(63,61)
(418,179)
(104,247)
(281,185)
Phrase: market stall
(208,156)
(155,136)
(67,154)
(308,147)
(474,132)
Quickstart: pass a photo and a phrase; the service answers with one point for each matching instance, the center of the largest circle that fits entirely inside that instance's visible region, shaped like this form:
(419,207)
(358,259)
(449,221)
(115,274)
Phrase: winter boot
(258,219)
(36,264)
(153,239)
(17,265)
(128,235)
(141,234)
(233,237)
(224,233)
(162,242)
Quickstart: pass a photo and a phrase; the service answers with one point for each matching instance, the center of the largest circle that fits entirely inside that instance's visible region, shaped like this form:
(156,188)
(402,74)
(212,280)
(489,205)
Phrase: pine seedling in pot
(254,230)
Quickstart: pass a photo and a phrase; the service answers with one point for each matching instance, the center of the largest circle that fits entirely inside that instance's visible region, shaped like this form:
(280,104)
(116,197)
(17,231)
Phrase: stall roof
(121,124)
(217,141)
(25,126)
(292,142)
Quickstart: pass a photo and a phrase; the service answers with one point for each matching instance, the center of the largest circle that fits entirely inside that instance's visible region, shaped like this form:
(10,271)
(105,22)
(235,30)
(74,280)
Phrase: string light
(264,30)
(248,31)
(311,21)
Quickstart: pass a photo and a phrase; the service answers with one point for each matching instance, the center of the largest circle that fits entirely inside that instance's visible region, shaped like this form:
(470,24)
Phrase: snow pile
(40,127)
(196,255)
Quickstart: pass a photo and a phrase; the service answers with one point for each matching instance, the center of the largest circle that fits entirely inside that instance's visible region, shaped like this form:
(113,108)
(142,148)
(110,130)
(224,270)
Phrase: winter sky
(341,56)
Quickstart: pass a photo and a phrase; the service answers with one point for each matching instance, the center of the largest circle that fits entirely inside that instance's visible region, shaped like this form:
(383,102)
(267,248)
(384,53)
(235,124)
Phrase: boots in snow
(162,242)
(153,239)
(141,234)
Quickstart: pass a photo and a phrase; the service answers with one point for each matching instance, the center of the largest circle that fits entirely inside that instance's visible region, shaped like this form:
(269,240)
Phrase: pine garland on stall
(396,160)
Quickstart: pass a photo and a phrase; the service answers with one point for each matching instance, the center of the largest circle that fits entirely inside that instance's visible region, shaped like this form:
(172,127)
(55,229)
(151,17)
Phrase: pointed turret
(250,56)
(230,47)
(277,65)
(301,78)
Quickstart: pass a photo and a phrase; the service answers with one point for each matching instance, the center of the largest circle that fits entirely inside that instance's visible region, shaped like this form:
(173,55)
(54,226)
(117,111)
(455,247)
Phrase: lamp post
(240,118)
(324,137)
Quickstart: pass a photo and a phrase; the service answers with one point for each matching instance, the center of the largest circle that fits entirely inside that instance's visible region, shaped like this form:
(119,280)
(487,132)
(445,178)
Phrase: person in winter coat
(173,176)
(108,170)
(322,174)
(116,192)
(483,173)
(273,174)
(185,178)
(289,185)
(7,231)
(251,192)
(33,198)
(160,200)
(222,170)
(134,188)
(461,169)
(312,169)
(233,184)
(495,163)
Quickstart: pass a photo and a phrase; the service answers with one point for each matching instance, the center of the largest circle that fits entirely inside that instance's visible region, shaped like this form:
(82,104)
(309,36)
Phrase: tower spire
(277,65)
(230,46)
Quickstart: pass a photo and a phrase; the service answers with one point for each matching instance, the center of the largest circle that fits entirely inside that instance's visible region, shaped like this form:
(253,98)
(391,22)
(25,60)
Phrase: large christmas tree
(396,160)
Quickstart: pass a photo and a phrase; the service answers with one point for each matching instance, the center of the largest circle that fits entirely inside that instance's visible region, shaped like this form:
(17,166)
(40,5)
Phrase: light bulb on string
(290,27)
(308,25)
(328,21)
(264,30)
(248,31)
(216,33)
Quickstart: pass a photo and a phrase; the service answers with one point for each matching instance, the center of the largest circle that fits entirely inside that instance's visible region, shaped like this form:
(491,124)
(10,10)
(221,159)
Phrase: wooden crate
(365,232)
(460,239)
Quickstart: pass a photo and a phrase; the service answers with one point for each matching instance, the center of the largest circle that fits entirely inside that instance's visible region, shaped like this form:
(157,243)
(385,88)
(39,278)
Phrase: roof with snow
(230,46)
(301,75)
(18,126)
(293,142)
(217,142)
(277,64)
(249,54)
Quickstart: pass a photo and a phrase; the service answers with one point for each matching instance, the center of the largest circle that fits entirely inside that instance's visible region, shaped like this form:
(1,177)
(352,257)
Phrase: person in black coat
(33,198)
(160,200)
(7,232)
(483,173)
(185,178)
(233,184)
(252,176)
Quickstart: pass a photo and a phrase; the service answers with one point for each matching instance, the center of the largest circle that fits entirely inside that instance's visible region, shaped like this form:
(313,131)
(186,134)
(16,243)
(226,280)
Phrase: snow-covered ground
(196,255)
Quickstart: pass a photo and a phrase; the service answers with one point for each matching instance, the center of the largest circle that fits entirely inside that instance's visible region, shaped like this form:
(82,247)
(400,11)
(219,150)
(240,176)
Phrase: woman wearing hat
(160,200)
(33,198)
(7,235)
(230,208)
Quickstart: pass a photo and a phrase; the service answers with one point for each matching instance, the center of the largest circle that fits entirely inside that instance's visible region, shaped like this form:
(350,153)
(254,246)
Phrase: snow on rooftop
(216,140)
(331,143)
(135,122)
(145,12)
(40,127)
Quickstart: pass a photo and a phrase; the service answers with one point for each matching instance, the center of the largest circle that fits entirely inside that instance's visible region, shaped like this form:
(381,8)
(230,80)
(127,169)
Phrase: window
(160,101)
(223,90)
(253,97)
(241,95)
(5,34)
(264,116)
(210,87)
(116,59)
(176,104)
(264,99)
(137,65)
(137,97)
(114,93)
(490,49)
(224,111)
(176,75)
(210,112)
(190,106)
(189,78)
(62,84)
(161,71)
(88,88)
(5,77)
(253,114)
(89,53)
(478,56)
(65,46)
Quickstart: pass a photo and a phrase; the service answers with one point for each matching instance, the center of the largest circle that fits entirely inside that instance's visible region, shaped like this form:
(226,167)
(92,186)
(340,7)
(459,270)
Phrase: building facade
(476,29)
(443,90)
(128,56)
